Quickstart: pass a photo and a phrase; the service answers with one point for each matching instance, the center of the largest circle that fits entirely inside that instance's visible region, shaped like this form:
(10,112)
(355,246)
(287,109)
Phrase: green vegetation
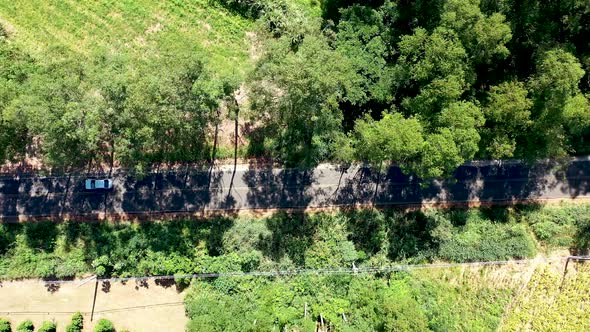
(104,325)
(552,301)
(48,327)
(77,323)
(5,325)
(367,238)
(136,30)
(437,300)
(399,301)
(25,326)
(427,85)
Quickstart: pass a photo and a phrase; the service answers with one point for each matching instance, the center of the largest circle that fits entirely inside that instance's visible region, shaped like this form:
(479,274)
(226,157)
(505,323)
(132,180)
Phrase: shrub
(5,325)
(104,325)
(482,240)
(26,326)
(77,323)
(48,327)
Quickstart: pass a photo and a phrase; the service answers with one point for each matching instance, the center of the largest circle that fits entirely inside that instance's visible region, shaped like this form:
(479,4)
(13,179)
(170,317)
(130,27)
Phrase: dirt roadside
(134,306)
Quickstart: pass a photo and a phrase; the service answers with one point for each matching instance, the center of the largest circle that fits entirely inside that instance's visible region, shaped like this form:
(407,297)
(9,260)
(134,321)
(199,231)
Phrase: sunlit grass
(140,29)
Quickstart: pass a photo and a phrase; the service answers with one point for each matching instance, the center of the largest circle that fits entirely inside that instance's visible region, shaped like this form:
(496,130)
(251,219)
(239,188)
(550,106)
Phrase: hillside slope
(552,301)
(138,29)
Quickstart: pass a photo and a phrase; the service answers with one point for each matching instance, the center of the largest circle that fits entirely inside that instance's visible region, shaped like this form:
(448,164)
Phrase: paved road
(249,187)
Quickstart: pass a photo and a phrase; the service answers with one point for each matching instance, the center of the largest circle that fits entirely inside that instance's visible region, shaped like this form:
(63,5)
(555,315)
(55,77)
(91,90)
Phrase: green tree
(48,327)
(16,69)
(393,138)
(435,67)
(297,94)
(484,37)
(508,117)
(5,325)
(463,119)
(104,325)
(440,155)
(25,326)
(77,323)
(359,38)
(554,85)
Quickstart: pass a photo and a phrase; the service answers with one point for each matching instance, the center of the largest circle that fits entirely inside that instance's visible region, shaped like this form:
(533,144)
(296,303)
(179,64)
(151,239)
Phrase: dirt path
(133,306)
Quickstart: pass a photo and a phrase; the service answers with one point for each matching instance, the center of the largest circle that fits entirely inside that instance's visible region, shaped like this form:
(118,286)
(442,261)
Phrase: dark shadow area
(250,9)
(179,285)
(52,287)
(291,235)
(105,286)
(185,191)
(358,188)
(142,284)
(410,236)
(166,283)
(196,189)
(269,188)
(368,229)
(578,178)
(113,249)
(8,234)
(331,8)
(581,243)
(512,181)
(41,236)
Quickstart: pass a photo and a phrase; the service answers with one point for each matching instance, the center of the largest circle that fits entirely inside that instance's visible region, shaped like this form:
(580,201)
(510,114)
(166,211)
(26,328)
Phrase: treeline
(425,84)
(429,84)
(73,112)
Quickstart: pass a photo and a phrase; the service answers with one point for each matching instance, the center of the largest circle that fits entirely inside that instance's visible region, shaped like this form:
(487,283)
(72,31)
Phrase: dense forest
(425,84)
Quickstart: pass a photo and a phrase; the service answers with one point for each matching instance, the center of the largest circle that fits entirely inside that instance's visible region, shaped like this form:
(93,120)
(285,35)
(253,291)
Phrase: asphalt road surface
(252,187)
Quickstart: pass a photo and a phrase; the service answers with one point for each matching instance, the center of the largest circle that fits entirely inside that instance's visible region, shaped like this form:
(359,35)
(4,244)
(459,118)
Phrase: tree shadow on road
(270,188)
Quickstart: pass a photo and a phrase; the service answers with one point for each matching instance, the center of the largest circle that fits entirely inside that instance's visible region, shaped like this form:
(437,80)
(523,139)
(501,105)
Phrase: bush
(482,240)
(48,327)
(77,323)
(246,8)
(5,325)
(104,325)
(26,326)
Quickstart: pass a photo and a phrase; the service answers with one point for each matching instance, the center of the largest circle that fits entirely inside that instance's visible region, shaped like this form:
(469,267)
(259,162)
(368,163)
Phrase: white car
(97,184)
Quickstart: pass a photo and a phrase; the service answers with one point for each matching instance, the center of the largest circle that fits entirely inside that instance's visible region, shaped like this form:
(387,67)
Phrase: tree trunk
(214,150)
(231,183)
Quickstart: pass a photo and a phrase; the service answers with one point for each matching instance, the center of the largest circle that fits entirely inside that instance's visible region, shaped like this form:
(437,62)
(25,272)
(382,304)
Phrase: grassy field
(552,301)
(139,29)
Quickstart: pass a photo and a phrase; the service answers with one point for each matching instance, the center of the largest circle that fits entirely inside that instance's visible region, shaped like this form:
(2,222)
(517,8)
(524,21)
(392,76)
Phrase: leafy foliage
(408,302)
(282,241)
(25,326)
(5,325)
(104,325)
(48,327)
(77,323)
(484,79)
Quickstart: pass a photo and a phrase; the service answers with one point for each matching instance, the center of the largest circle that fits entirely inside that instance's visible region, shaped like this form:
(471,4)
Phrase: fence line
(295,272)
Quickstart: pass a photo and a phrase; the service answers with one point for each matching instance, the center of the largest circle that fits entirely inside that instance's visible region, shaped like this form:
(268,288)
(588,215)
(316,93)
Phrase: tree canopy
(426,84)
